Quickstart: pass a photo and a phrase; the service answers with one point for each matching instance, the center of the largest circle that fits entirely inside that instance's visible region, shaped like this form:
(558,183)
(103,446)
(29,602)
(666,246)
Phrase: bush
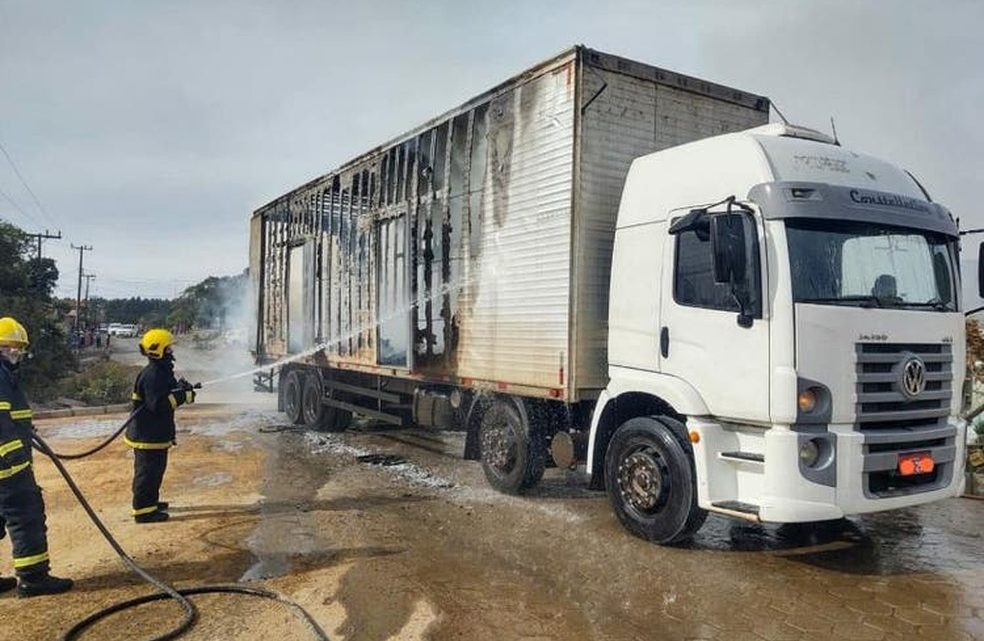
(106,383)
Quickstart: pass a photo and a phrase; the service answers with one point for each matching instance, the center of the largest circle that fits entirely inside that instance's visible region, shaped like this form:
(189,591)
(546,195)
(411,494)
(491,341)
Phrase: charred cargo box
(475,250)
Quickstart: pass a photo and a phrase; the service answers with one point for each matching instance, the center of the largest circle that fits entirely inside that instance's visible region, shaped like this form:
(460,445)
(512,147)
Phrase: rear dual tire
(303,397)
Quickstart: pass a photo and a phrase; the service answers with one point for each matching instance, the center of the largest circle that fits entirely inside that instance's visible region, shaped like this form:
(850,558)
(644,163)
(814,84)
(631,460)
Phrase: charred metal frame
(394,227)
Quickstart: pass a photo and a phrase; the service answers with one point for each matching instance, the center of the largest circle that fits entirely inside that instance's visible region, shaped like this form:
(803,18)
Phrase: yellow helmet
(154,342)
(12,333)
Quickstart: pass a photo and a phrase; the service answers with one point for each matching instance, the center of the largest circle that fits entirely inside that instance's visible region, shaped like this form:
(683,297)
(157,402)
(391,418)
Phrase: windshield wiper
(936,304)
(863,300)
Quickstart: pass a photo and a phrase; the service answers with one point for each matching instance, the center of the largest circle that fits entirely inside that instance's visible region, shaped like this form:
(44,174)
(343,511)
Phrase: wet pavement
(387,534)
(914,572)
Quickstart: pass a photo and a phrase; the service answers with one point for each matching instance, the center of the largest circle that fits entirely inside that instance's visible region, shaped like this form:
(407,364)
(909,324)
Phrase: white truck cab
(786,341)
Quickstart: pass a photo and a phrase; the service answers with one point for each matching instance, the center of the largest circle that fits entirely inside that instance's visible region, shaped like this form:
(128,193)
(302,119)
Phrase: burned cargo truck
(458,276)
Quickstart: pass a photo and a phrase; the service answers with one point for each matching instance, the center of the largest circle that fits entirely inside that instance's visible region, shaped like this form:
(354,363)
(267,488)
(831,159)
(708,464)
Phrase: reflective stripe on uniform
(7,472)
(19,415)
(4,405)
(11,446)
(172,400)
(135,397)
(26,561)
(144,445)
(143,510)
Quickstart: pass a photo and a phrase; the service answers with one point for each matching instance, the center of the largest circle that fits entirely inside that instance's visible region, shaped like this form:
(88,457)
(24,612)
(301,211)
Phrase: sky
(152,130)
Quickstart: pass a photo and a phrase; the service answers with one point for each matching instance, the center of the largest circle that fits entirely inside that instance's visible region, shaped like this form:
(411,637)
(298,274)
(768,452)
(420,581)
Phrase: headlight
(810,453)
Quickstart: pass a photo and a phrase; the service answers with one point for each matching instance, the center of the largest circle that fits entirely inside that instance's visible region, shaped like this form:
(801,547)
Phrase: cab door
(704,340)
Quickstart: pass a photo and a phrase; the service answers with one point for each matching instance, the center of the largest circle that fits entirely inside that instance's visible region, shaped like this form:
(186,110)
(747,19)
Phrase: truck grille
(881,400)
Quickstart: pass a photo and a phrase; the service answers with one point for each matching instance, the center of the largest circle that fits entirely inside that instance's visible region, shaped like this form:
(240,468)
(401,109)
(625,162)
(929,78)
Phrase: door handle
(664,341)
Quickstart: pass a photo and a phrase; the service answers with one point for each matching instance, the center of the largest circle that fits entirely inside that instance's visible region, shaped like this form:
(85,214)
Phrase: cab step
(737,508)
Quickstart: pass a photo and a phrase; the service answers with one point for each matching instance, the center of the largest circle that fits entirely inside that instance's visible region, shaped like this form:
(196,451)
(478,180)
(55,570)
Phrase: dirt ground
(423,549)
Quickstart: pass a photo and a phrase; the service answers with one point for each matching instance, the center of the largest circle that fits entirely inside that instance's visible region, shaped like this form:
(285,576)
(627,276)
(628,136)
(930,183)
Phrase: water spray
(441,291)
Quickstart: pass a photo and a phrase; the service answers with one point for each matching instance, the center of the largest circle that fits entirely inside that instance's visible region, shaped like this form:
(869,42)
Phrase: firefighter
(21,504)
(156,394)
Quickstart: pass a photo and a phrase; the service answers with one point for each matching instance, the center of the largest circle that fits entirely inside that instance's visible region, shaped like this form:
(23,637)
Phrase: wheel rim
(643,481)
(499,446)
(310,406)
(291,398)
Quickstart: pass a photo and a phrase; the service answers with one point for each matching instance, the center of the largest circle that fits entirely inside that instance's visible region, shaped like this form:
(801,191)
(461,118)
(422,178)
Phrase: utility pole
(78,296)
(87,277)
(44,236)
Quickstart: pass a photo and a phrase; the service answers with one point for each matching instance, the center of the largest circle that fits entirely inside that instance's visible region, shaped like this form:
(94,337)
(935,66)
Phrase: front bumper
(861,478)
(865,478)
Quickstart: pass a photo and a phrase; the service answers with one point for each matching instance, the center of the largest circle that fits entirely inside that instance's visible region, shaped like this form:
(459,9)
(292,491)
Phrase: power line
(37,202)
(31,219)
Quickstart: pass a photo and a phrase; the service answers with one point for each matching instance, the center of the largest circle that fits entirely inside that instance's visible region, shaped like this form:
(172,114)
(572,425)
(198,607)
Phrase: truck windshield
(870,265)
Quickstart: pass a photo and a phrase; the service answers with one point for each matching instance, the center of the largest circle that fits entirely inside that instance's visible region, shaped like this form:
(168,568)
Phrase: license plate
(917,463)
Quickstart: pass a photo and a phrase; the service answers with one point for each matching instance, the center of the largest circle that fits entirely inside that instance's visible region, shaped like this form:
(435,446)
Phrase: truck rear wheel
(293,391)
(651,481)
(512,458)
(317,415)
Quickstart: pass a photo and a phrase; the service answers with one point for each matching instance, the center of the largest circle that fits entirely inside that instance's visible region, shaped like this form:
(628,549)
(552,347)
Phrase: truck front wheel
(512,459)
(651,481)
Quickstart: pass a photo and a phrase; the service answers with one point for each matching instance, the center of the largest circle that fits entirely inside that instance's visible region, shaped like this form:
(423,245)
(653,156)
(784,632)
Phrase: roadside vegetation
(55,371)
(26,288)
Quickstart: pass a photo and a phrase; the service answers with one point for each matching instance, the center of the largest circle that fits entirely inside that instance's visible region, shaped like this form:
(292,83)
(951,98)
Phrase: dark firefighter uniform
(156,394)
(21,504)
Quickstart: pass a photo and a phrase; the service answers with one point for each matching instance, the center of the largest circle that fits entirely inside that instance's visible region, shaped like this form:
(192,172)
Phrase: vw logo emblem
(913,379)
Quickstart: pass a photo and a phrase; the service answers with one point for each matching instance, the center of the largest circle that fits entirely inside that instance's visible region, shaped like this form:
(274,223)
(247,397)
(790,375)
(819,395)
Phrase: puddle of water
(291,481)
(924,539)
(212,480)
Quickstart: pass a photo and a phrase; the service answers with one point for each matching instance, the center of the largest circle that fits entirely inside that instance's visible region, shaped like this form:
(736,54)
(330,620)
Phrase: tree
(26,286)
(147,312)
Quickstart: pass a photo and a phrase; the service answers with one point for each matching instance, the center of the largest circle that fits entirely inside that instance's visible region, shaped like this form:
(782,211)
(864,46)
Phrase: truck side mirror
(980,270)
(728,248)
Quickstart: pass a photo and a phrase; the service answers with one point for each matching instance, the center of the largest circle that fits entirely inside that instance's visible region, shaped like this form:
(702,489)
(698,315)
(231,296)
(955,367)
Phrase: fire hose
(167,591)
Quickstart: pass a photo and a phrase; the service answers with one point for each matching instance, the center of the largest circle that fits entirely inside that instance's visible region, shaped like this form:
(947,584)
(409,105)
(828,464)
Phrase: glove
(185,385)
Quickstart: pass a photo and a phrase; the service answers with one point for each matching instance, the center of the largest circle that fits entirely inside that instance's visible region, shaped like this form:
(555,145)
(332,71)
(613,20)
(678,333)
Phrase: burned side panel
(625,115)
(273,316)
(513,315)
(346,266)
(256,252)
(475,249)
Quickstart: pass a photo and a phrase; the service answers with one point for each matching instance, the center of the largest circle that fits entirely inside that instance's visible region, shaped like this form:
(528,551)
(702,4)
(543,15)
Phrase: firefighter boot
(42,583)
(153,517)
(6,585)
